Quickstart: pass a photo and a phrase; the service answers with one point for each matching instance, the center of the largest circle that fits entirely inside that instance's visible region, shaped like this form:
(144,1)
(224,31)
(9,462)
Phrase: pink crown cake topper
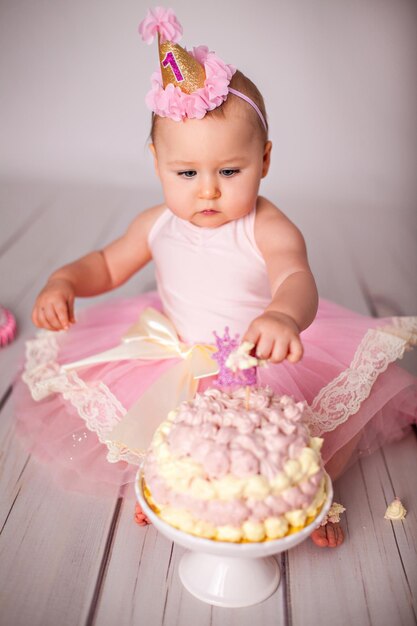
(187,84)
(237,367)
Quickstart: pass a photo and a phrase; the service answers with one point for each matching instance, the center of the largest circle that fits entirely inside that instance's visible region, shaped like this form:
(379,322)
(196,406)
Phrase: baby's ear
(155,160)
(266,158)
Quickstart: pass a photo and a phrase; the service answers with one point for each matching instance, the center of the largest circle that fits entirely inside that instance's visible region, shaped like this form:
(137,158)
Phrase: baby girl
(224,256)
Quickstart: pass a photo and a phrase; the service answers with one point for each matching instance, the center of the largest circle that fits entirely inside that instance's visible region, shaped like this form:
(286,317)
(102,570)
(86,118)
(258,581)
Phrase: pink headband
(187,83)
(252,103)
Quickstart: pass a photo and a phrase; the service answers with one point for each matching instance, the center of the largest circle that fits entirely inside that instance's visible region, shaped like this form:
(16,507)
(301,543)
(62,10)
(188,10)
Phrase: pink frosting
(225,434)
(181,439)
(202,450)
(243,463)
(217,463)
(259,439)
(235,511)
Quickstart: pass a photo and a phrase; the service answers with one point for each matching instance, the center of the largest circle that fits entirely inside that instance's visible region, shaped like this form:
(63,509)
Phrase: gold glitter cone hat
(179,68)
(189,83)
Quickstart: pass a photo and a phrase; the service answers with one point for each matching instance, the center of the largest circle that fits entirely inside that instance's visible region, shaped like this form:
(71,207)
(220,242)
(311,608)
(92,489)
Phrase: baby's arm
(95,273)
(294,302)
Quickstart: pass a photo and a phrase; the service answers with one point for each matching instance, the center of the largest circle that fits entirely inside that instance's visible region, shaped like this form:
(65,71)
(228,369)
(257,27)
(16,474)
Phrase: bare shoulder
(142,224)
(273,229)
(136,234)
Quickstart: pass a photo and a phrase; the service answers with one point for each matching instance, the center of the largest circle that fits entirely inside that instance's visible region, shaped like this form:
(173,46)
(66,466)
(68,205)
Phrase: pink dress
(76,417)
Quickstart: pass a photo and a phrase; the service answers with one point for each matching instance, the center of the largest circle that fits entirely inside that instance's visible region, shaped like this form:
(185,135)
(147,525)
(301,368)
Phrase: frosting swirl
(395,510)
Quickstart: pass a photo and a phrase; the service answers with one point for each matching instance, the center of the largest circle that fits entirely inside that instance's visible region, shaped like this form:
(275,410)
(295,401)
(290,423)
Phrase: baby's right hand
(54,306)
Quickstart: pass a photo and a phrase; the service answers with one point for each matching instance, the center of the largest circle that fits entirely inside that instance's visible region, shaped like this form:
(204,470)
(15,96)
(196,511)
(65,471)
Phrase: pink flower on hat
(218,75)
(163,21)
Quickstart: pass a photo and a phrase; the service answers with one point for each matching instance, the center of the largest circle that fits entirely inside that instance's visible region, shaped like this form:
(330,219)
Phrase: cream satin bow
(153,337)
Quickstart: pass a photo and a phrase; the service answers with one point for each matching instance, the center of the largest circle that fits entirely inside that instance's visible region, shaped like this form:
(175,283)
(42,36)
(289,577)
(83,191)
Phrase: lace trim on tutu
(333,405)
(120,452)
(343,396)
(94,402)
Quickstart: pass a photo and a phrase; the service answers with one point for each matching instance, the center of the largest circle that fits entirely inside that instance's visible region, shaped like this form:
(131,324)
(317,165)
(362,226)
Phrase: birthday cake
(238,466)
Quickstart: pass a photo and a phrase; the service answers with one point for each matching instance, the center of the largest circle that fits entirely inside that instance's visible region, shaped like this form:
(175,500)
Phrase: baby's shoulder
(271,223)
(142,224)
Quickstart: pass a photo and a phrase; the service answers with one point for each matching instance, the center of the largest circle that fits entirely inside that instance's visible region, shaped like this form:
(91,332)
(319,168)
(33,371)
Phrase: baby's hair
(241,83)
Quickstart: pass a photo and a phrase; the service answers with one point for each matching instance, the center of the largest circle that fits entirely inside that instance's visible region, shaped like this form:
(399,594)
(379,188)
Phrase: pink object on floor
(7,326)
(140,517)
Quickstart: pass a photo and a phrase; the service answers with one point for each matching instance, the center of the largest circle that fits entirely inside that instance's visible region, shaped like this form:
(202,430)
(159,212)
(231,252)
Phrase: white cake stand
(230,574)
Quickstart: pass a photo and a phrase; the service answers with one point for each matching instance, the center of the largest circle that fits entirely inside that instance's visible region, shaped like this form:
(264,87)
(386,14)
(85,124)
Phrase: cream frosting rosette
(395,510)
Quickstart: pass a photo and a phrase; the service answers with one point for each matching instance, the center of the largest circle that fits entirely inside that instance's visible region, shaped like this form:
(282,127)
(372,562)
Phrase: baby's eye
(229,172)
(188,174)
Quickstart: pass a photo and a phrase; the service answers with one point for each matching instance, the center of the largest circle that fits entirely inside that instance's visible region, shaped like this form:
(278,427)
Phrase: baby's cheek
(241,203)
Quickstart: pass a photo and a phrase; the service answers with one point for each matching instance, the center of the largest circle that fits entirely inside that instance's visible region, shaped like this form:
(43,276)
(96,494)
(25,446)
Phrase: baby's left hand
(276,337)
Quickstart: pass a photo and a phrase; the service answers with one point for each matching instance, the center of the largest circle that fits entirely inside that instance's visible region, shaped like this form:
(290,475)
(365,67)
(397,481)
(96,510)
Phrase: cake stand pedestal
(229,581)
(230,574)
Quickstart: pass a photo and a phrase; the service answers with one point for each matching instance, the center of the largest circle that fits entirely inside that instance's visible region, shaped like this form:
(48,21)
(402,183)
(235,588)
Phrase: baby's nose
(209,190)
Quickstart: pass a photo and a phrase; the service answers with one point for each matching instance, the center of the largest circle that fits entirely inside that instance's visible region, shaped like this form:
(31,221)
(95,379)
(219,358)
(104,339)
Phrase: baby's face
(210,169)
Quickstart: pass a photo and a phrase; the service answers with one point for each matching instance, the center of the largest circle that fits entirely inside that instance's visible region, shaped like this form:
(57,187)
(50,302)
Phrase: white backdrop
(338,77)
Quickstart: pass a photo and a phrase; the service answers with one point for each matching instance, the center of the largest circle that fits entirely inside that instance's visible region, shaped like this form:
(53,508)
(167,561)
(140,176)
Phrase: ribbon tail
(135,431)
(120,352)
(202,363)
(131,350)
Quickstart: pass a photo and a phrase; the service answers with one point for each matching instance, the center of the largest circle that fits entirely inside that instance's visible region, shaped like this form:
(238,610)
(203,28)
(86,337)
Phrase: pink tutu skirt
(347,376)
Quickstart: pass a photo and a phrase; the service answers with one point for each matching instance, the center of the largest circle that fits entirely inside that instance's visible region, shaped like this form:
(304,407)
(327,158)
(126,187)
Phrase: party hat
(179,68)
(188,83)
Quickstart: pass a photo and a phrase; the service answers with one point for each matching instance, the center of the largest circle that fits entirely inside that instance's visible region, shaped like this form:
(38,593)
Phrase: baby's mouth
(208,212)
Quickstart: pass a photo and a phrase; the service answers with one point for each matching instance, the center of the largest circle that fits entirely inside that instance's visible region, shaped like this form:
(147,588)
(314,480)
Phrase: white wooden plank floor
(72,559)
